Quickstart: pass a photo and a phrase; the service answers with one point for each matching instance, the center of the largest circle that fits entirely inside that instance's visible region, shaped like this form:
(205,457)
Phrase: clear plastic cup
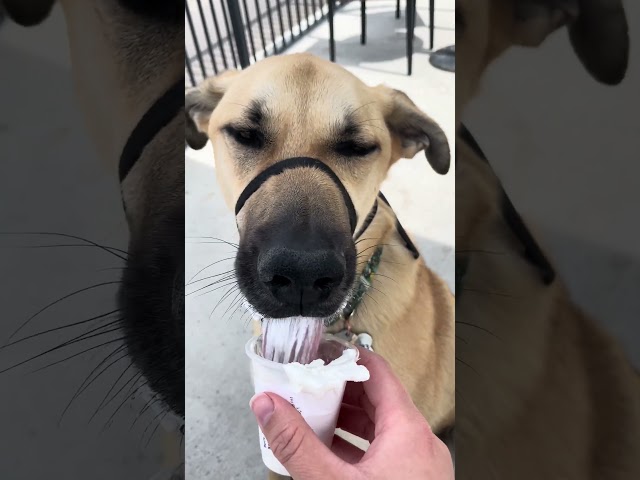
(320,410)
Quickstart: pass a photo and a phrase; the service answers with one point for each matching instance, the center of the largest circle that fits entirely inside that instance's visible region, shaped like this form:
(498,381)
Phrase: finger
(293,442)
(357,422)
(346,451)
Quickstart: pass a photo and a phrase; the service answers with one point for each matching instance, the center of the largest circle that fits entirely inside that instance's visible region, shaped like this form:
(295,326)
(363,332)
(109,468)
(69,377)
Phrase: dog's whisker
(68,245)
(220,280)
(235,302)
(91,333)
(77,292)
(370,120)
(371,297)
(224,283)
(217,240)
(130,393)
(365,239)
(351,112)
(226,295)
(229,284)
(364,122)
(378,274)
(210,277)
(158,423)
(88,380)
(208,266)
(379,245)
(110,250)
(364,307)
(104,399)
(60,361)
(378,290)
(135,386)
(245,323)
(75,341)
(44,332)
(473,325)
(153,400)
(115,395)
(153,420)
(467,365)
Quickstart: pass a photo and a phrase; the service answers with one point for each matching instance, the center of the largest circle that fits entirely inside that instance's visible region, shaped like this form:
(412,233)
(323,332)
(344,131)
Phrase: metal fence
(223,34)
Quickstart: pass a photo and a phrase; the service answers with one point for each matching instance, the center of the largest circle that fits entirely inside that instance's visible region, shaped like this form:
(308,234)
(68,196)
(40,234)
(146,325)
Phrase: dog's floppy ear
(199,103)
(597,29)
(28,12)
(415,130)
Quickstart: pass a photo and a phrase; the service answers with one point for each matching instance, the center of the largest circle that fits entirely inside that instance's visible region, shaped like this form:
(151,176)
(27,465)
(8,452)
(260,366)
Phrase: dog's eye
(354,149)
(247,137)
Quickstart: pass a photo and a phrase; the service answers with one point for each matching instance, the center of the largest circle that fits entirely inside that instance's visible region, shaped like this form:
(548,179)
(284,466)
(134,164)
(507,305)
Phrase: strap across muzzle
(297,162)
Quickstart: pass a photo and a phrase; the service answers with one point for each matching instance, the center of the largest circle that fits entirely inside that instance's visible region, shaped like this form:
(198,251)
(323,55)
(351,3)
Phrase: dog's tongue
(293,339)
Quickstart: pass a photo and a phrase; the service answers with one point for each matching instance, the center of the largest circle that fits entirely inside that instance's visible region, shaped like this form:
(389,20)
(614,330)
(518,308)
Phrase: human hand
(378,410)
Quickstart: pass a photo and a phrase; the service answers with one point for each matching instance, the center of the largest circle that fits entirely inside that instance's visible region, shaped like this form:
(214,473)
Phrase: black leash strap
(297,162)
(532,251)
(155,119)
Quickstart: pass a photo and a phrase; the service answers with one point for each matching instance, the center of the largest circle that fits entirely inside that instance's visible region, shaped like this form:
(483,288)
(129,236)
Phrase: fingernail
(262,407)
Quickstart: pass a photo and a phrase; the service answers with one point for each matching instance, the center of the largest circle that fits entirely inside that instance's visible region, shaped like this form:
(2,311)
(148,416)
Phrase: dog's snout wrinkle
(298,277)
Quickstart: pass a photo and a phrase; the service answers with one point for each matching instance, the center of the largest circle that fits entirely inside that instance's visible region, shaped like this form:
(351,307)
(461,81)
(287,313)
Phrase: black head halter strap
(297,162)
(155,119)
(532,251)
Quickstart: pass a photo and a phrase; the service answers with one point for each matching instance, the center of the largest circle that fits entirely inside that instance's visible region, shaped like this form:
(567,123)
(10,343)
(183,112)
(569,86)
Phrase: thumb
(293,442)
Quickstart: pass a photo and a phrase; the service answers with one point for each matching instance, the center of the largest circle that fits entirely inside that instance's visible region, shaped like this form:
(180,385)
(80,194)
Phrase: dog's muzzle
(291,163)
(299,162)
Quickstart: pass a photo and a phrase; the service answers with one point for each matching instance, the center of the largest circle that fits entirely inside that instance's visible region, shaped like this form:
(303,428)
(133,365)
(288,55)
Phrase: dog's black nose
(301,278)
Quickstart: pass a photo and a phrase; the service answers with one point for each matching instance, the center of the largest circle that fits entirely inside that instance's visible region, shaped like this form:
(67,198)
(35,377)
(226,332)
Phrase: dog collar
(291,163)
(371,267)
(155,119)
(364,284)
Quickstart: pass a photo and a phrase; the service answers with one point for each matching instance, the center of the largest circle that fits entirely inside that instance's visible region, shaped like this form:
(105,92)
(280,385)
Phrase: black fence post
(237,26)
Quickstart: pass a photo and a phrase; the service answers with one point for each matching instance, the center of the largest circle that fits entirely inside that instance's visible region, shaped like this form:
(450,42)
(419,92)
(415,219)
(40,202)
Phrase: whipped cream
(317,378)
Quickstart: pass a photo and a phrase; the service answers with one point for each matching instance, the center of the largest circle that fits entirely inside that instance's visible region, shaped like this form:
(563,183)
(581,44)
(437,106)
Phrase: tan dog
(543,392)
(125,55)
(303,106)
